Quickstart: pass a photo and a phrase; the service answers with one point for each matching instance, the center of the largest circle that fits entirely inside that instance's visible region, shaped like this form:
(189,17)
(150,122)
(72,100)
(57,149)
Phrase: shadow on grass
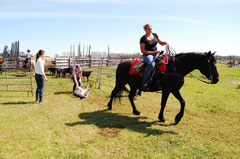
(16,103)
(68,92)
(106,119)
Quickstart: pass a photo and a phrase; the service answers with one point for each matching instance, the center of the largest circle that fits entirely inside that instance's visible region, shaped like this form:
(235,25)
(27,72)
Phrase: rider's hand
(155,52)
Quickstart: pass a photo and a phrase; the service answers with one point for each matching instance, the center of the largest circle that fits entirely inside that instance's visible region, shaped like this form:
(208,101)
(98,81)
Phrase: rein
(200,79)
(211,76)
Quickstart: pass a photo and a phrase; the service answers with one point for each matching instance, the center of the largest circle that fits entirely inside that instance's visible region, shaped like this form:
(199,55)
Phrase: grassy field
(69,128)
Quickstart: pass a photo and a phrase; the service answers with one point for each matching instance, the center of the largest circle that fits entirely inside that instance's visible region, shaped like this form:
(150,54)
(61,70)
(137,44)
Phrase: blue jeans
(150,60)
(40,86)
(74,85)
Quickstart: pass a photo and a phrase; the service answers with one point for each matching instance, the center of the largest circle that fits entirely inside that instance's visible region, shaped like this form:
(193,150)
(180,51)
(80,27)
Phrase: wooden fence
(16,81)
(87,62)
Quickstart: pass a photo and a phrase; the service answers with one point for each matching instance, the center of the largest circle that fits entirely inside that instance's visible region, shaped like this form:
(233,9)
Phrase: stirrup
(145,87)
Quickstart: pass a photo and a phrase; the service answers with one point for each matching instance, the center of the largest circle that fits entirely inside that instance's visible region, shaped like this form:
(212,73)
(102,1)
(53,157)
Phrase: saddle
(138,66)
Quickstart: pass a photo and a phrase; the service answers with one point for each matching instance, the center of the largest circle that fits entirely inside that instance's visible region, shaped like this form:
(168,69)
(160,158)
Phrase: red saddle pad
(131,68)
(160,68)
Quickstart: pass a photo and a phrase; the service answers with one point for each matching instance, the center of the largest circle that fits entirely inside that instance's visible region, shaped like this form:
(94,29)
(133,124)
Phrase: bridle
(210,77)
(170,51)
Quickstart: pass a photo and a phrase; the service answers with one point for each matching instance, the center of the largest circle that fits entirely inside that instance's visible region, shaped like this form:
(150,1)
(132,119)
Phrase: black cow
(86,74)
(66,70)
(52,70)
(59,70)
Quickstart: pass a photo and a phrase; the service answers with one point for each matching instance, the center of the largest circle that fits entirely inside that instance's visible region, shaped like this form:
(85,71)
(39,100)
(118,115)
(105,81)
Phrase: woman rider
(148,46)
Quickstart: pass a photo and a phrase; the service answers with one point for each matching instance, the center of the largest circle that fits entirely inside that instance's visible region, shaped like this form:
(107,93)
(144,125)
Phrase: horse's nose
(216,80)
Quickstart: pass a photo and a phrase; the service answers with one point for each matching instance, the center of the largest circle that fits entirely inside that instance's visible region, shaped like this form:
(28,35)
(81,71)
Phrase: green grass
(69,128)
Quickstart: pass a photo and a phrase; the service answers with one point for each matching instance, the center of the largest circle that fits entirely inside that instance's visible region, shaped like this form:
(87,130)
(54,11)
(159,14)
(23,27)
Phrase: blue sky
(187,25)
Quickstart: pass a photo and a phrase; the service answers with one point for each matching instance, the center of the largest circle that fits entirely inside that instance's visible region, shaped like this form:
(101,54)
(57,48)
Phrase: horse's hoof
(163,120)
(137,113)
(109,106)
(178,118)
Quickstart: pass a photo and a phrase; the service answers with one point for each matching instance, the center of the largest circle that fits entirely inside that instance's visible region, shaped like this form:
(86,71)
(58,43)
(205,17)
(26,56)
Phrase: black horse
(170,81)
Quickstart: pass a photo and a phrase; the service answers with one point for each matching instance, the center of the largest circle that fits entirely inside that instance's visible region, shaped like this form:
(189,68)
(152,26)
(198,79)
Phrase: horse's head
(208,67)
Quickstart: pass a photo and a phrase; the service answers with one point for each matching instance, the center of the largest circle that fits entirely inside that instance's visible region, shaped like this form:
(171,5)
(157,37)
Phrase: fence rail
(14,75)
(87,62)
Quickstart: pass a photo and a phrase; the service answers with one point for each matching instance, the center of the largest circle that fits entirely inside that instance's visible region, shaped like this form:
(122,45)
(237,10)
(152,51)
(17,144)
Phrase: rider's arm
(80,78)
(161,42)
(81,73)
(142,47)
(75,78)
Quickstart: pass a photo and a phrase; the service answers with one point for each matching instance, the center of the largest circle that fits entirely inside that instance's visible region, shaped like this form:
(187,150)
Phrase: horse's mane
(190,55)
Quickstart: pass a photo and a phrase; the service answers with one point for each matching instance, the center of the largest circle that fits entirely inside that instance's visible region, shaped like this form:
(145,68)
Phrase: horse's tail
(121,92)
(122,75)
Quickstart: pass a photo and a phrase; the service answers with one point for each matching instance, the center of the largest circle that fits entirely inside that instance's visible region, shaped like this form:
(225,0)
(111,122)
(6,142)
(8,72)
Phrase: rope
(200,79)
(170,50)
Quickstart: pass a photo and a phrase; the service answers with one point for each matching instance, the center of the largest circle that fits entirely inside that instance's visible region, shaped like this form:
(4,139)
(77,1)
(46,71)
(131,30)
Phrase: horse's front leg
(165,95)
(131,98)
(179,116)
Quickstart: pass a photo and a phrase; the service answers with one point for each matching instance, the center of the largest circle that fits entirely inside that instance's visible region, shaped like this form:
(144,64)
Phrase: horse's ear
(214,53)
(209,53)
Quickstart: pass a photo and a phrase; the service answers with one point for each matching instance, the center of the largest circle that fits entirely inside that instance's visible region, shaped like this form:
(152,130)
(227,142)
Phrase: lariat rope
(170,51)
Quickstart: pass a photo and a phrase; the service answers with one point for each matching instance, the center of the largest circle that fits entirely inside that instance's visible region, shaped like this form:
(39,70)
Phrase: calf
(59,70)
(86,74)
(52,71)
(66,70)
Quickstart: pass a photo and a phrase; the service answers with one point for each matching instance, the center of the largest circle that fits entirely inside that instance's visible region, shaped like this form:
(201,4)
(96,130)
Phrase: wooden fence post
(90,56)
(100,74)
(90,61)
(69,62)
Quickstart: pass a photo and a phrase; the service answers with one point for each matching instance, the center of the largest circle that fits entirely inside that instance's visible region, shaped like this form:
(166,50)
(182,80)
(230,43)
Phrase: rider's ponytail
(37,57)
(40,52)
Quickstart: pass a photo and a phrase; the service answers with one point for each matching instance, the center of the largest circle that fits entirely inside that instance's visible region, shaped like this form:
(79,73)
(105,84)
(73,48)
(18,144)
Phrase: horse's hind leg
(131,98)
(117,88)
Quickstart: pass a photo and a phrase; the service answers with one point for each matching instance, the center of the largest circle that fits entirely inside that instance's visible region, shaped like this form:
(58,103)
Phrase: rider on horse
(28,57)
(148,44)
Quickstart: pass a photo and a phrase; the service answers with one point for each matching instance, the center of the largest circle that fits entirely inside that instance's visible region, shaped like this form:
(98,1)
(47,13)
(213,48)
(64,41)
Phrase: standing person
(40,76)
(77,77)
(148,46)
